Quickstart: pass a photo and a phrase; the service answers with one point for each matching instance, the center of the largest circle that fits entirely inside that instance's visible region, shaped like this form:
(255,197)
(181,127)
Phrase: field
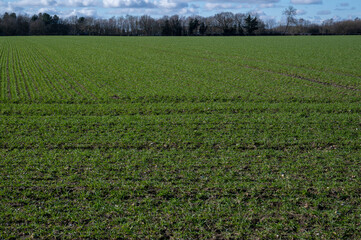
(180,138)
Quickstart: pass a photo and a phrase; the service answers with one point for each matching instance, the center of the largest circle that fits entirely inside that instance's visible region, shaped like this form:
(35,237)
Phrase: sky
(313,10)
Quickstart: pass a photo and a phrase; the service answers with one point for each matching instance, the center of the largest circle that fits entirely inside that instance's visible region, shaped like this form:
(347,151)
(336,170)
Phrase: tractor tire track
(267,70)
(283,64)
(305,68)
(303,78)
(290,65)
(288,75)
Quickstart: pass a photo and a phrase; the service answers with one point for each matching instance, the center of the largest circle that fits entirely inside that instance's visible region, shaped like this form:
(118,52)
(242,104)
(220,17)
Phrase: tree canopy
(221,24)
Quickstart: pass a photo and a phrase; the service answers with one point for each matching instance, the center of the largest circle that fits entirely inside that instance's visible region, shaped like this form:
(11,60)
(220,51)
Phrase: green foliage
(193,25)
(185,138)
(251,24)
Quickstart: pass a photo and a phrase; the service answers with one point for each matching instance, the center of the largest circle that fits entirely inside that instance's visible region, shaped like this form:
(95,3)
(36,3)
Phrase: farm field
(180,138)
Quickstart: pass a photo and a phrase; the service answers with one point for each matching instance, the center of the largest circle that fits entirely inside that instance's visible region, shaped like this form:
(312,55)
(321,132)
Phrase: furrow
(48,75)
(14,72)
(2,73)
(18,63)
(27,68)
(89,74)
(74,80)
(51,65)
(8,73)
(45,86)
(258,93)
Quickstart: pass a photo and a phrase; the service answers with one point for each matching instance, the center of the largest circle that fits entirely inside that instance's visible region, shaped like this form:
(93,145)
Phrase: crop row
(80,193)
(179,106)
(184,131)
(112,69)
(184,138)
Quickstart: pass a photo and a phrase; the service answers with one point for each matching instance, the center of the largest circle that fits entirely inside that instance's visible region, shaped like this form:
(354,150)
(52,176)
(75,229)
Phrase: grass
(180,138)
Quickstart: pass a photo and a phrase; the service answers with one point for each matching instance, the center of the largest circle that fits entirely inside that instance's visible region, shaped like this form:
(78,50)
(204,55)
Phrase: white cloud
(88,12)
(258,13)
(267,5)
(195,6)
(150,7)
(85,12)
(215,6)
(169,4)
(48,2)
(10,8)
(245,6)
(80,3)
(54,3)
(301,12)
(127,3)
(159,8)
(114,3)
(188,11)
(249,1)
(27,3)
(181,5)
(306,1)
(166,4)
(51,11)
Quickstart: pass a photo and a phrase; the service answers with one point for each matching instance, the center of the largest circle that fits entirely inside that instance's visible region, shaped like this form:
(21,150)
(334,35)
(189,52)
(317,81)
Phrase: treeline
(221,24)
(328,27)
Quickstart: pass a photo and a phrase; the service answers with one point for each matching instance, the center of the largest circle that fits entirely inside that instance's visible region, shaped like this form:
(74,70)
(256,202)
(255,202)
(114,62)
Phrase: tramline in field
(184,138)
(93,69)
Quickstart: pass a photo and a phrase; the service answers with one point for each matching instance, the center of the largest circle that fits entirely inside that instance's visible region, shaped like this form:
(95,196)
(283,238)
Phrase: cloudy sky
(313,10)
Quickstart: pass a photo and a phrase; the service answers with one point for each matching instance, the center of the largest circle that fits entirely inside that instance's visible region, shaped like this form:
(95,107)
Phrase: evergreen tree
(251,24)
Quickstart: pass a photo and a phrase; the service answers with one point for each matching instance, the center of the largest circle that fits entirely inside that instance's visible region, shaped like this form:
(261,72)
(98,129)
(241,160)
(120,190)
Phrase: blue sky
(313,10)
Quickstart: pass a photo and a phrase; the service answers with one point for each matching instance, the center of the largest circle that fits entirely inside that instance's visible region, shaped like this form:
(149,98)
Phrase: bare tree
(239,20)
(290,14)
(146,24)
(226,22)
(203,26)
(177,25)
(302,26)
(133,24)
(193,24)
(9,23)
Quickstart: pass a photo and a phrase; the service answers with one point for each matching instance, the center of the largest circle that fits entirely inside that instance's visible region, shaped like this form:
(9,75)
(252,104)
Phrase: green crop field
(180,138)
